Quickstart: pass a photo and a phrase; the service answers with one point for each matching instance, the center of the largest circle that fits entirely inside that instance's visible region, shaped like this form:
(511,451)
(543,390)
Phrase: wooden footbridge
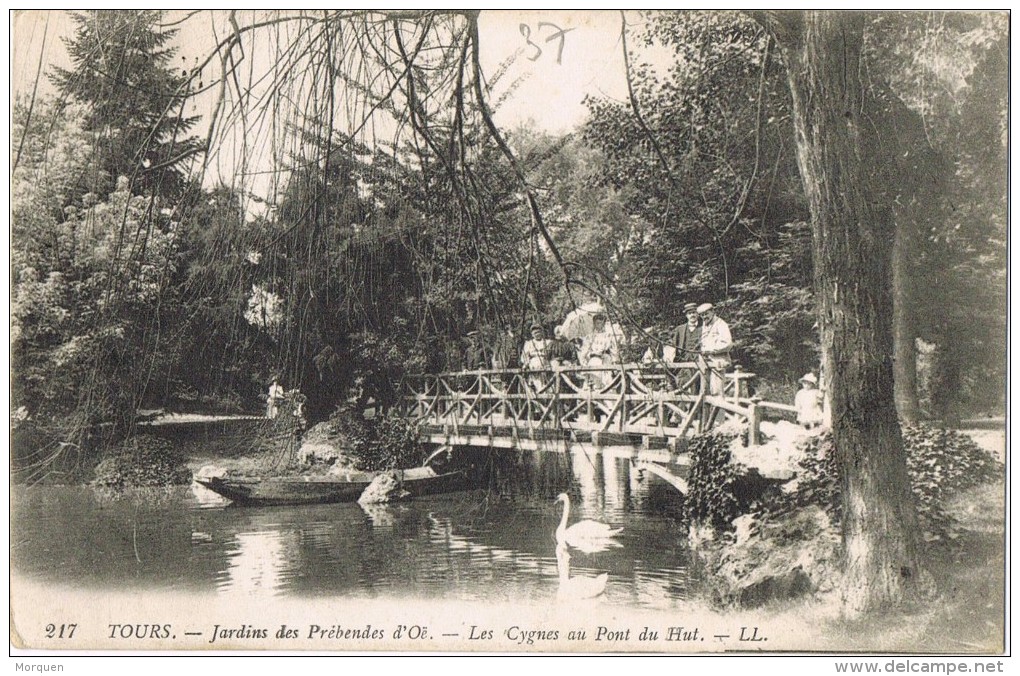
(644,410)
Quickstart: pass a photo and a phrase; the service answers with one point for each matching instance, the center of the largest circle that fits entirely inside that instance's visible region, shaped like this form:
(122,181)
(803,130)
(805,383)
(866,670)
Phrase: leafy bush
(386,441)
(712,496)
(940,463)
(946,460)
(142,460)
(817,481)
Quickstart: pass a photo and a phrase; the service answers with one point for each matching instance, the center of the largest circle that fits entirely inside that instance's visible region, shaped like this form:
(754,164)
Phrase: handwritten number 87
(557,33)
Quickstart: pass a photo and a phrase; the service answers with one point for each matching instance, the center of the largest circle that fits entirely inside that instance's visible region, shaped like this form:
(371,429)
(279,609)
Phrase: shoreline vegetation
(788,562)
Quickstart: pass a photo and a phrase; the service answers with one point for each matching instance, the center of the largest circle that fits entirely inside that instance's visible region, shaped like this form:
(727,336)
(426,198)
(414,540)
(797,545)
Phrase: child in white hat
(809,402)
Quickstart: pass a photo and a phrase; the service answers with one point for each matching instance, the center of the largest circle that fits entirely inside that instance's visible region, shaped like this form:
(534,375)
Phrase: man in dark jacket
(561,351)
(687,337)
(475,354)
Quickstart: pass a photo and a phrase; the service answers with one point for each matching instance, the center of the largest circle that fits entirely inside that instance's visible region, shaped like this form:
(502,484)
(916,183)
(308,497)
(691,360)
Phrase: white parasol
(579,322)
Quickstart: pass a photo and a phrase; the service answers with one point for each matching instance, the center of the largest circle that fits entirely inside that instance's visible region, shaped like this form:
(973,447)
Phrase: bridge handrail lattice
(661,399)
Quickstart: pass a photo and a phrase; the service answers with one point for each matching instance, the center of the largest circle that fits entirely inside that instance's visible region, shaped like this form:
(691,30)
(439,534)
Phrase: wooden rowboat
(318,490)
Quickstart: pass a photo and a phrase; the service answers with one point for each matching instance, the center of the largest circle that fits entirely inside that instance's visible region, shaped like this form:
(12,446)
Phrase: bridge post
(624,384)
(703,413)
(660,410)
(557,387)
(753,425)
(589,410)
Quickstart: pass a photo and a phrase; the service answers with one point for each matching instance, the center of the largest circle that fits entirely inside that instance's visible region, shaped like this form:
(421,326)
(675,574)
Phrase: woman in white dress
(599,349)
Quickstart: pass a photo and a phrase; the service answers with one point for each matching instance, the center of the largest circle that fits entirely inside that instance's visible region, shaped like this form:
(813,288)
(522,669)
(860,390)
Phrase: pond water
(492,544)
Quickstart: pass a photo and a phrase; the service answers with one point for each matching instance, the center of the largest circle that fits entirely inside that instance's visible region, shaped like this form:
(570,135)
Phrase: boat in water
(319,490)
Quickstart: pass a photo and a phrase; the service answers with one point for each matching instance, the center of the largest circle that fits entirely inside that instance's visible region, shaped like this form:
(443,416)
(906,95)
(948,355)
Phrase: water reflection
(578,587)
(380,516)
(616,479)
(586,467)
(495,544)
(207,498)
(637,486)
(260,562)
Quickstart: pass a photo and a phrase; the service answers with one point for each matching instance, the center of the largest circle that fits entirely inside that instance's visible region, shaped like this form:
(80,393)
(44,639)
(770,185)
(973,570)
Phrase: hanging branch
(742,201)
(637,109)
(31,104)
(536,215)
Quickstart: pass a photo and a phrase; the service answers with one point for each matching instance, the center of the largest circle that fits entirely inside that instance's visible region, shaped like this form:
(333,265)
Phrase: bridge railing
(659,400)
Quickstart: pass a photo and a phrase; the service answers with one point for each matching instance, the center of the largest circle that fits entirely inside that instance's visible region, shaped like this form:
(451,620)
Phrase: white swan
(587,535)
(576,587)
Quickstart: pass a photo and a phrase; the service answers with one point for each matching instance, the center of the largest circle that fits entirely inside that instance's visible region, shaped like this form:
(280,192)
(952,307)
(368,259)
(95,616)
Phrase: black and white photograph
(507,332)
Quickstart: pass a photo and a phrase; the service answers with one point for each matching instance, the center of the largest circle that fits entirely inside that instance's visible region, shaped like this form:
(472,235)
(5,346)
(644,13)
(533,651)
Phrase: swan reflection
(580,587)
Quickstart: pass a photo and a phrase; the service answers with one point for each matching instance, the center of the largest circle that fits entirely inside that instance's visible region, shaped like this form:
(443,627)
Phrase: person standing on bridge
(475,353)
(561,351)
(535,356)
(716,342)
(687,338)
(600,348)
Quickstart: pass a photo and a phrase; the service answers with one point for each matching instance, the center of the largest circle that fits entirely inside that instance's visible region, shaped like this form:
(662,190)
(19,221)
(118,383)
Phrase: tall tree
(123,71)
(86,305)
(852,246)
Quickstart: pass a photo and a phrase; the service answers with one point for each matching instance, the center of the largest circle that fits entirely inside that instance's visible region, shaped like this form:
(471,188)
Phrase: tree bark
(946,382)
(852,248)
(904,333)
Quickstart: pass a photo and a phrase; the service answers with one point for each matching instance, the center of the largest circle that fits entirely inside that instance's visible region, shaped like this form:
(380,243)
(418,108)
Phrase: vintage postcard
(457,331)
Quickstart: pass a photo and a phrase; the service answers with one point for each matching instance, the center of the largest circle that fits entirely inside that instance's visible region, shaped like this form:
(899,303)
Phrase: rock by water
(384,488)
(784,558)
(323,445)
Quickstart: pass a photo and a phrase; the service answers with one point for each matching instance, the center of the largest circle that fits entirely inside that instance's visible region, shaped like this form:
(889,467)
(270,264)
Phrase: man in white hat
(535,356)
(716,342)
(808,402)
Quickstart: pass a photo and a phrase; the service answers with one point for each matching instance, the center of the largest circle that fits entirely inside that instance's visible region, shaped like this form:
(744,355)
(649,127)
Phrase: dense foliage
(713,498)
(383,441)
(88,283)
(941,463)
(143,460)
(702,158)
(124,71)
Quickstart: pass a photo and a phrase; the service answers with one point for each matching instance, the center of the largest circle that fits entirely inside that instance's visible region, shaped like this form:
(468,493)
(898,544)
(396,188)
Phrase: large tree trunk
(852,247)
(904,333)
